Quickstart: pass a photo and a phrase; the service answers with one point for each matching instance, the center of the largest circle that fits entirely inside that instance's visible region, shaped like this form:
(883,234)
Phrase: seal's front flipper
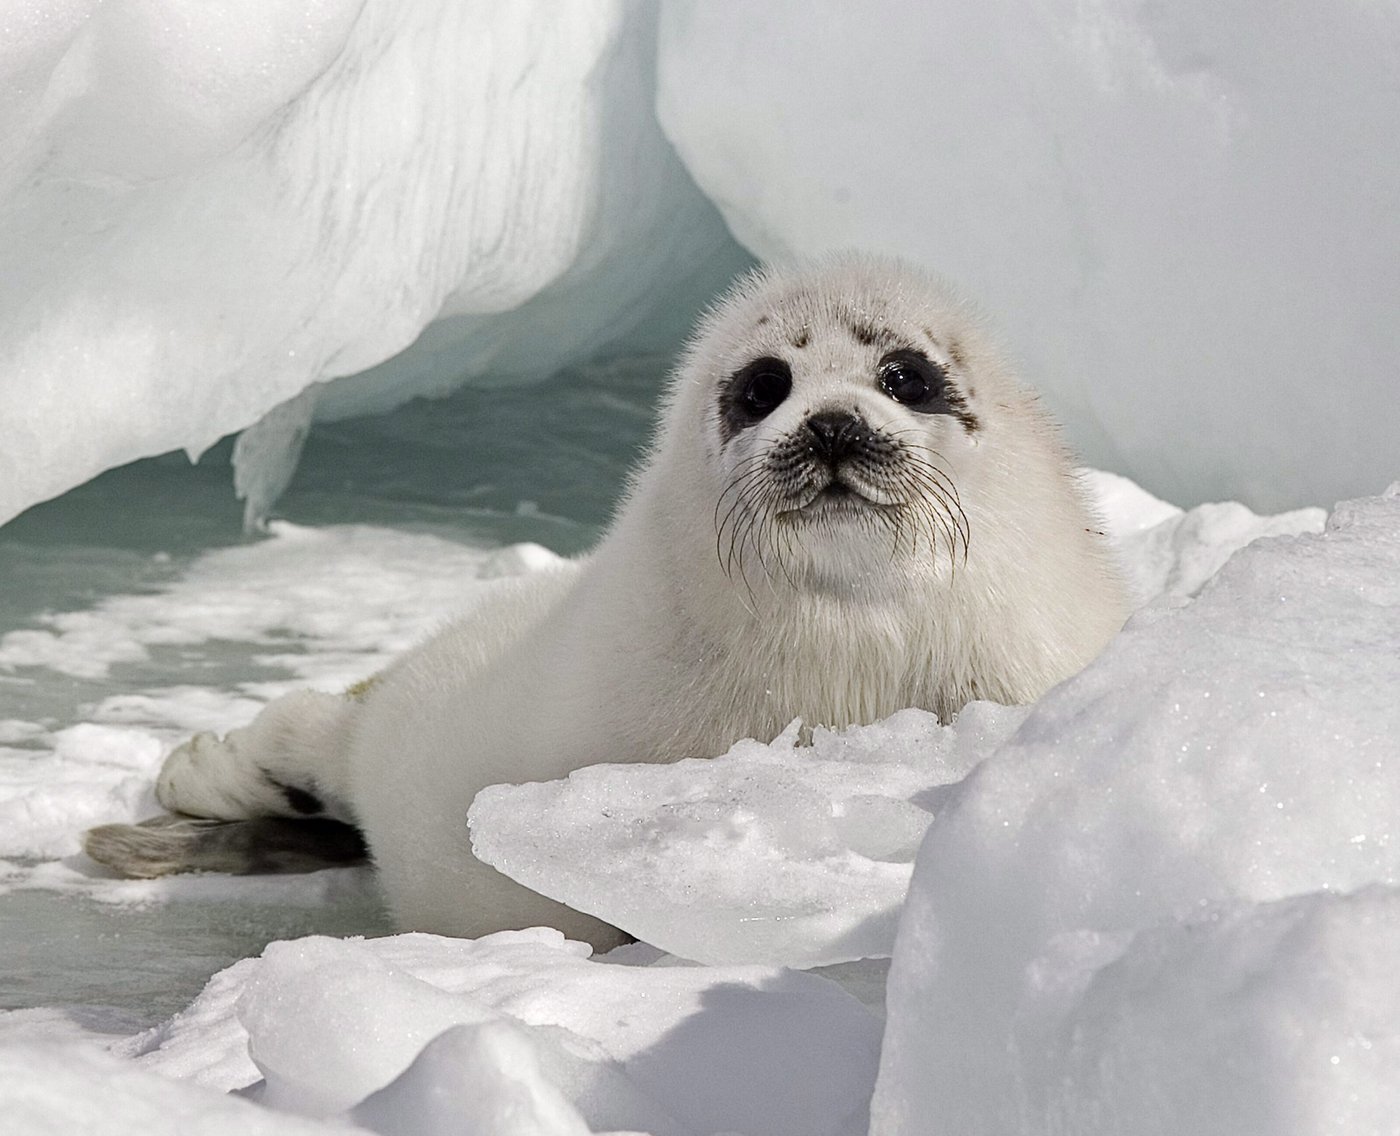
(165,845)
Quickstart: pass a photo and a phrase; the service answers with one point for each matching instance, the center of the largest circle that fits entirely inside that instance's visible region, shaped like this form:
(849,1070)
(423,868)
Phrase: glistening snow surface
(1167,943)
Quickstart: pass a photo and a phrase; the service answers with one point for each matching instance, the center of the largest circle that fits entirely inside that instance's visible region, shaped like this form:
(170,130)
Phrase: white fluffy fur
(646,650)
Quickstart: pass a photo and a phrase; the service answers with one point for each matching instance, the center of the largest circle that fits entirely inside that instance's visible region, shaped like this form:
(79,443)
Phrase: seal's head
(840,410)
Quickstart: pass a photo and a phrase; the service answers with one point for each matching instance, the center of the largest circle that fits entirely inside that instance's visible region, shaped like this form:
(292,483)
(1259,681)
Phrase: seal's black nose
(836,434)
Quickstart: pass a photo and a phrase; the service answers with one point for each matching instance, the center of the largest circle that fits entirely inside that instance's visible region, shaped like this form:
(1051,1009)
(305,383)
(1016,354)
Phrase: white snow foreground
(1164,899)
(1180,213)
(515,1034)
(204,209)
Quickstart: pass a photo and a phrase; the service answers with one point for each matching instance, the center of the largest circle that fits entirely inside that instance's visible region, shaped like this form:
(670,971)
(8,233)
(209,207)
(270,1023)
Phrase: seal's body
(850,507)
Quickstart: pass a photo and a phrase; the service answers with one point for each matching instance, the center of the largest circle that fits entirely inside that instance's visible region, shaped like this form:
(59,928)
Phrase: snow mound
(1297,1000)
(398,1031)
(1179,847)
(481,1078)
(1182,214)
(1164,550)
(204,210)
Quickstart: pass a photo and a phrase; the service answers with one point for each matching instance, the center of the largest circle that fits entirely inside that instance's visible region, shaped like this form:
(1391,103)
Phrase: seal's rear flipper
(165,845)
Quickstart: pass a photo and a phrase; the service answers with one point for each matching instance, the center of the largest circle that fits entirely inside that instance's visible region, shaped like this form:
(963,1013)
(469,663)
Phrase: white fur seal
(851,506)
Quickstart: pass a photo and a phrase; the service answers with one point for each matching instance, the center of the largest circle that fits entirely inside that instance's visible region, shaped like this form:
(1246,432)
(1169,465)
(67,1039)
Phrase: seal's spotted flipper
(166,845)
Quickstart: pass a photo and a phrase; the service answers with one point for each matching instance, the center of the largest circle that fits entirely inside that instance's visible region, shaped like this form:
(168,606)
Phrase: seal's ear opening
(167,845)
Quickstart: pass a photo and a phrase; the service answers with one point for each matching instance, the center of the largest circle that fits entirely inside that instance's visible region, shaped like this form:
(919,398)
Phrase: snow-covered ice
(312,607)
(1183,215)
(779,854)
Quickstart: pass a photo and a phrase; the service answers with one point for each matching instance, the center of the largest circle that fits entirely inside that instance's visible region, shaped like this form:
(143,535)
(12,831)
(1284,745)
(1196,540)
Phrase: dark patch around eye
(956,353)
(752,393)
(864,333)
(915,381)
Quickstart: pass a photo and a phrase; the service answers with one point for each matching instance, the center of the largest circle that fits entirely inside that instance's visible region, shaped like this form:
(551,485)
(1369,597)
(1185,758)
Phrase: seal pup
(850,506)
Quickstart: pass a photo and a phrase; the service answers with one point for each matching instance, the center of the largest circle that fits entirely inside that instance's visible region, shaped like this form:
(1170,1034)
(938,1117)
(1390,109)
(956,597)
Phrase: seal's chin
(838,498)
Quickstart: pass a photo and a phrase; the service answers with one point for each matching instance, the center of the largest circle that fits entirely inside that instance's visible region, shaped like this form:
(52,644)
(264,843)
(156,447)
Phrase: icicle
(265,456)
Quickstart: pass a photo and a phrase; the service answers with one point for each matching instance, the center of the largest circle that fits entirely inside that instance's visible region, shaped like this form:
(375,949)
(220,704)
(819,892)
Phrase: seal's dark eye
(915,381)
(761,387)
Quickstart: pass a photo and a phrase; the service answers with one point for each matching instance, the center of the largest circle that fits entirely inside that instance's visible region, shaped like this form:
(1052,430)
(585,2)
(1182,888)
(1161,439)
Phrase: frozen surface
(1183,214)
(1184,861)
(325,607)
(204,210)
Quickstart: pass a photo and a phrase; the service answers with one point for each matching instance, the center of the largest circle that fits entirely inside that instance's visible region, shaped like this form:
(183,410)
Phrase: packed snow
(1183,215)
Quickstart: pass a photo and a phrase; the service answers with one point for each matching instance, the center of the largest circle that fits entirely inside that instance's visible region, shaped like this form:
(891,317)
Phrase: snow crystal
(1182,214)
